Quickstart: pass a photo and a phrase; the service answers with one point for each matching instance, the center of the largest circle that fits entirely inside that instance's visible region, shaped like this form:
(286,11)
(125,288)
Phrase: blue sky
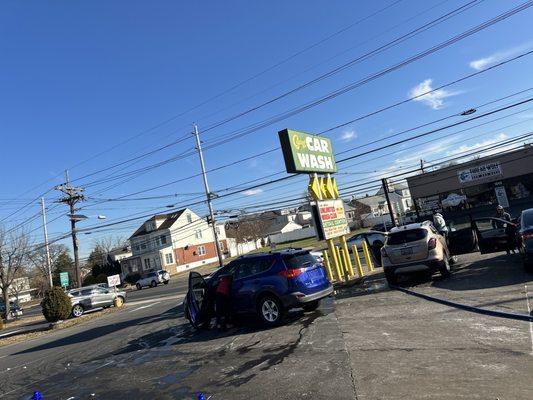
(83,83)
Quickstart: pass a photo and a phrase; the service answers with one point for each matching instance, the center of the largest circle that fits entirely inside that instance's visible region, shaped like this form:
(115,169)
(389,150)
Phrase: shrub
(102,278)
(133,278)
(1,323)
(56,305)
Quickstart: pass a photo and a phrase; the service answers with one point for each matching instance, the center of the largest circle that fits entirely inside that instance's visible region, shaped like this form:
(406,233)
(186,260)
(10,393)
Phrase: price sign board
(113,280)
(330,219)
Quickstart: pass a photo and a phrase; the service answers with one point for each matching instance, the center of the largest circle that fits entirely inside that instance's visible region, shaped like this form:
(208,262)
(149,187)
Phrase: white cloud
(253,192)
(434,100)
(468,148)
(348,136)
(499,56)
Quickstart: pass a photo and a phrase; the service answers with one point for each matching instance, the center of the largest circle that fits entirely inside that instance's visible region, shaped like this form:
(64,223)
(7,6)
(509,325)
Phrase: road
(369,343)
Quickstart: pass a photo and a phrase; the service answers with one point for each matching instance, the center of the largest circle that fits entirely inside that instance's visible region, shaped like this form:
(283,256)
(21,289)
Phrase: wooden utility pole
(385,183)
(72,196)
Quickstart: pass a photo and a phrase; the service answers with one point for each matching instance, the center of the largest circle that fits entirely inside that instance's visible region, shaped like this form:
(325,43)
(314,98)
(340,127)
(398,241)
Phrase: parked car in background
(318,255)
(264,284)
(91,297)
(375,241)
(415,248)
(383,227)
(525,238)
(14,309)
(153,279)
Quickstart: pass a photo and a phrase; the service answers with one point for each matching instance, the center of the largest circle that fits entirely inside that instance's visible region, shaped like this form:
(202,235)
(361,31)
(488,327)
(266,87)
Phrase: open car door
(493,234)
(197,308)
(463,240)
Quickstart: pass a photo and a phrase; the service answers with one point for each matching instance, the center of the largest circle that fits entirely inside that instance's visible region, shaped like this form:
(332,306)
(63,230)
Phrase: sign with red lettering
(330,219)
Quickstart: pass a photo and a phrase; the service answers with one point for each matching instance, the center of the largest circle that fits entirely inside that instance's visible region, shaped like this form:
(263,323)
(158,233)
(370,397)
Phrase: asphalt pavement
(369,343)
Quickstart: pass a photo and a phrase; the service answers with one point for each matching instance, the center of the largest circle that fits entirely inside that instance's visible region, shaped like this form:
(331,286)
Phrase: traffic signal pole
(208,194)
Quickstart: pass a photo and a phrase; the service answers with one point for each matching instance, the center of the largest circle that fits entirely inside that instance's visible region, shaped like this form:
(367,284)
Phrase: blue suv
(265,284)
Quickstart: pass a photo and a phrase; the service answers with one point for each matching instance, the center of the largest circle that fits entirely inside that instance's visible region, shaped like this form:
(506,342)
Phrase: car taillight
(527,235)
(292,273)
(432,243)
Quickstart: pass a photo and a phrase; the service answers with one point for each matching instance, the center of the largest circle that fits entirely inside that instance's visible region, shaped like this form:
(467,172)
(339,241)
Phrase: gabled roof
(169,220)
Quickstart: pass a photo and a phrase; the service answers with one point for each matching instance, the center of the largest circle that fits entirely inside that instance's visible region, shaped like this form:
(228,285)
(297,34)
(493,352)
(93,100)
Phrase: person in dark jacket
(223,301)
(510,228)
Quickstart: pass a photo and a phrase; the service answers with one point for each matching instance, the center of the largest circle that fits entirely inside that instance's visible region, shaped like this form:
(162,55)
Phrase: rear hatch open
(407,246)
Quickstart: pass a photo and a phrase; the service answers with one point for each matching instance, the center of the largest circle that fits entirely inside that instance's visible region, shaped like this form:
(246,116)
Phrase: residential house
(174,242)
(20,290)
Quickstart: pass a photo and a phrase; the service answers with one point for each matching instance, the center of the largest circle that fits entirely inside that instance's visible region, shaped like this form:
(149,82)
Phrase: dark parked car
(14,308)
(375,241)
(525,238)
(384,227)
(264,284)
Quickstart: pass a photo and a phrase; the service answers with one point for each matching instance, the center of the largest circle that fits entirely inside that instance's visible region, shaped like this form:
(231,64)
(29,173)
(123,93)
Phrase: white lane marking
(530,323)
(10,333)
(146,306)
(158,299)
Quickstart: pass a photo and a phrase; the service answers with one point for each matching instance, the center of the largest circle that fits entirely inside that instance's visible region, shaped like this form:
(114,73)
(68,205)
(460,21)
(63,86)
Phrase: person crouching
(223,301)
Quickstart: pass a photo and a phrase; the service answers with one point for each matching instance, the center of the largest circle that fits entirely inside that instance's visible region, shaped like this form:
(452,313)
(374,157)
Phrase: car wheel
(122,299)
(270,310)
(391,277)
(166,282)
(445,269)
(77,311)
(139,287)
(312,306)
(153,284)
(453,260)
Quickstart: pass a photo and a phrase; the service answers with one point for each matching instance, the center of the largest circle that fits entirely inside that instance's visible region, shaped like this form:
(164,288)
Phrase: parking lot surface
(369,343)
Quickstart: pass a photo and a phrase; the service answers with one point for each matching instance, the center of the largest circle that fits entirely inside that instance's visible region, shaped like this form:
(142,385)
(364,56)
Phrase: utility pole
(72,196)
(384,181)
(208,194)
(47,248)
(422,165)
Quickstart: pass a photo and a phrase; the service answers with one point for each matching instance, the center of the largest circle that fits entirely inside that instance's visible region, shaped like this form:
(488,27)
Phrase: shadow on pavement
(498,271)
(104,330)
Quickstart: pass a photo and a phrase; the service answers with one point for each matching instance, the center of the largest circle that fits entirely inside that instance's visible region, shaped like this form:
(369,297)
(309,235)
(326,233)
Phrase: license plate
(406,252)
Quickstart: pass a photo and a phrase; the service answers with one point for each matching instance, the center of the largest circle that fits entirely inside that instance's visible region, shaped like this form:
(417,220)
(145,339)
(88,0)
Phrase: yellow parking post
(334,258)
(341,262)
(368,259)
(327,265)
(348,261)
(357,261)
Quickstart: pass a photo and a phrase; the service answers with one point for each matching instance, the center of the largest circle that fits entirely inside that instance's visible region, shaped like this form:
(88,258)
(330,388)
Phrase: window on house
(143,246)
(198,234)
(218,230)
(146,263)
(137,247)
(163,239)
(168,258)
(189,218)
(200,250)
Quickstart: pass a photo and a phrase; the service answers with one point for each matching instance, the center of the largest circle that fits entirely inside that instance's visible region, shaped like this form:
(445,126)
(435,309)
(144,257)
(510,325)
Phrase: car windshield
(527,218)
(403,237)
(299,260)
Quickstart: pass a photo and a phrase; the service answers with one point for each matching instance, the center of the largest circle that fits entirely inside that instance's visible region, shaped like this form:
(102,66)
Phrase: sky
(85,86)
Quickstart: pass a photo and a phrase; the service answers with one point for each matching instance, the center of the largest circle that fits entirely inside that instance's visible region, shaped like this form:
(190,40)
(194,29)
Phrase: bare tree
(38,261)
(14,249)
(108,243)
(249,229)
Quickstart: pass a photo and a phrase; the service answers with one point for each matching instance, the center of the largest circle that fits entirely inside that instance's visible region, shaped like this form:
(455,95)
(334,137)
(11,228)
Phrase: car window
(101,290)
(527,219)
(299,260)
(75,293)
(151,275)
(373,237)
(86,292)
(408,236)
(251,267)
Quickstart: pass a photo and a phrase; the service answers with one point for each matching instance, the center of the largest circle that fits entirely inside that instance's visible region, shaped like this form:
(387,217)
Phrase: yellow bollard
(347,259)
(327,265)
(368,258)
(357,261)
(334,258)
(341,262)
(117,302)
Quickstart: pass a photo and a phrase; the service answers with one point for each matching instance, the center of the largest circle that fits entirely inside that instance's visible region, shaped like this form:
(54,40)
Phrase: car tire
(153,284)
(453,260)
(311,306)
(139,286)
(445,269)
(391,277)
(77,311)
(270,310)
(165,282)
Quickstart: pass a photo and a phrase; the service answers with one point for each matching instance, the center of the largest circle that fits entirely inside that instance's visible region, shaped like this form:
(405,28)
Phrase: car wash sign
(331,219)
(480,172)
(304,152)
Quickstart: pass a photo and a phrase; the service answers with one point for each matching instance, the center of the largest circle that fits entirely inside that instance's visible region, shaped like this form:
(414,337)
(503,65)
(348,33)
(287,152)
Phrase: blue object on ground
(37,396)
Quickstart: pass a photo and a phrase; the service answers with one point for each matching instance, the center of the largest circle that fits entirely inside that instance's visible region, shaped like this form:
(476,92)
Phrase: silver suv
(90,297)
(153,279)
(413,248)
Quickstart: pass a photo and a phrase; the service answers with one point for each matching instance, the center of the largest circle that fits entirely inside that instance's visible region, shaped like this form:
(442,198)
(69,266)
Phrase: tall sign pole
(208,194)
(72,196)
(47,248)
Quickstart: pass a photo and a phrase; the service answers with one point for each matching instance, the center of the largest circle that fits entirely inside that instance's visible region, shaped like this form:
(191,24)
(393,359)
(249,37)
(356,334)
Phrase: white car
(153,279)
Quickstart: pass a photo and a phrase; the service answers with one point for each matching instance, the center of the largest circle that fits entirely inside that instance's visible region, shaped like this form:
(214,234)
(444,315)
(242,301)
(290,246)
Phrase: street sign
(63,279)
(305,152)
(113,280)
(501,195)
(330,219)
